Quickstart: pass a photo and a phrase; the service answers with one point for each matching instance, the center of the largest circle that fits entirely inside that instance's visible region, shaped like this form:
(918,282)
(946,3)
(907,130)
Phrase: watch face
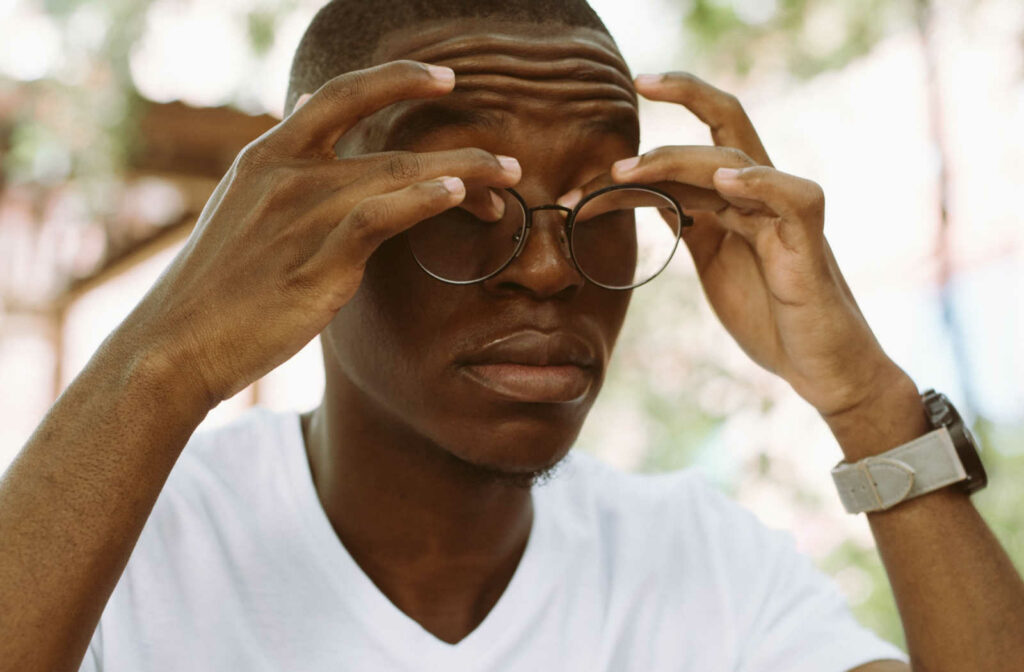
(941,412)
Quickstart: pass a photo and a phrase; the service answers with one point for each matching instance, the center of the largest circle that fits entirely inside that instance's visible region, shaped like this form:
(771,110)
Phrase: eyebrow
(424,119)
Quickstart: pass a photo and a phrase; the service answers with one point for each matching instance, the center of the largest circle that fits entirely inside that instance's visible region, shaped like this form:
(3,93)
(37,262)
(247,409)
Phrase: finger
(689,197)
(388,171)
(485,204)
(326,188)
(380,217)
(794,199)
(704,239)
(721,111)
(693,165)
(791,209)
(339,104)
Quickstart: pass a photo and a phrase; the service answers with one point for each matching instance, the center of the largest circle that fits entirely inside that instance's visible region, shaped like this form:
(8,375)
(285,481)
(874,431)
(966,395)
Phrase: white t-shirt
(238,568)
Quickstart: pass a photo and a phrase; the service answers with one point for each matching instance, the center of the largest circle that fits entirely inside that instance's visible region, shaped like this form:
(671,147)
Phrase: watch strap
(881,481)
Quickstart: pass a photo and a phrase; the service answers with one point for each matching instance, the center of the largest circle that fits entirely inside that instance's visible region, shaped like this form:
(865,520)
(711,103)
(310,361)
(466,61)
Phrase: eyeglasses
(619,237)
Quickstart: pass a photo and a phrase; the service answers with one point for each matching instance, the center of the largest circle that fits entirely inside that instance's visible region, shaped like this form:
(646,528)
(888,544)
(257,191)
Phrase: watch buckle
(887,468)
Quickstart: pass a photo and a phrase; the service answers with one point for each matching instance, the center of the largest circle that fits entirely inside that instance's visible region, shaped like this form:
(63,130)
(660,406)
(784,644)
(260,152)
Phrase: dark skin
(404,446)
(442,544)
(403,450)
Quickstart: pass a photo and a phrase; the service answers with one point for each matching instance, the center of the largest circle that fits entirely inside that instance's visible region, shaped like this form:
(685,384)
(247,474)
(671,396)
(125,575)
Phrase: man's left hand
(759,247)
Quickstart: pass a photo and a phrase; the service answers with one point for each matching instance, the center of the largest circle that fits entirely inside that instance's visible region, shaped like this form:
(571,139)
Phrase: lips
(534,366)
(536,348)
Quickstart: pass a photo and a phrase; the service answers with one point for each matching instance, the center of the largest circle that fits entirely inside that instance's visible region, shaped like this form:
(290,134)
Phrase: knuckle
(476,159)
(406,68)
(814,200)
(482,157)
(817,194)
(251,159)
(365,220)
(681,77)
(404,166)
(346,88)
(730,104)
(738,156)
(761,176)
(657,155)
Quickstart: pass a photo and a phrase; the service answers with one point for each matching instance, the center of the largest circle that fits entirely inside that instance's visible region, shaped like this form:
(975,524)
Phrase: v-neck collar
(414,645)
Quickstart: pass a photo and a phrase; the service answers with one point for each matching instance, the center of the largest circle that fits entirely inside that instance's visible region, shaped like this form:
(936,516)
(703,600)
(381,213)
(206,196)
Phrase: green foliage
(1002,503)
(261,26)
(681,429)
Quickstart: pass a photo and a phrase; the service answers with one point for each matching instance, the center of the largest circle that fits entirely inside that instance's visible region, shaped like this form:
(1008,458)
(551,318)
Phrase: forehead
(511,74)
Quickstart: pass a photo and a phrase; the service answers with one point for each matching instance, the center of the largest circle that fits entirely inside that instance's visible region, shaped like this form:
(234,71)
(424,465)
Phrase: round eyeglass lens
(622,238)
(466,244)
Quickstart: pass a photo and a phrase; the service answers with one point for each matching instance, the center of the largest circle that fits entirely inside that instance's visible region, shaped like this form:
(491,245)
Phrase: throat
(447,598)
(442,554)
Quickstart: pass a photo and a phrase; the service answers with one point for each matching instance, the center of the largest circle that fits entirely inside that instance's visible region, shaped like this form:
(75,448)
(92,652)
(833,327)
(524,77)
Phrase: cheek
(608,309)
(386,338)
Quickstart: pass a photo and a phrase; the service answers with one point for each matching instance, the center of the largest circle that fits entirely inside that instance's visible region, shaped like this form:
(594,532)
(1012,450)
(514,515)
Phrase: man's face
(560,100)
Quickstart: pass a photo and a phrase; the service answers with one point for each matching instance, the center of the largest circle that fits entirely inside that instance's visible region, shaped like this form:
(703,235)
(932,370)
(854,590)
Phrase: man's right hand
(281,245)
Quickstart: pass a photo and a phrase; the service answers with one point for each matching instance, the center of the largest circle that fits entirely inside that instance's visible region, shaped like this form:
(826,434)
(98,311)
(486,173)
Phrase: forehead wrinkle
(523,90)
(538,47)
(563,79)
(569,68)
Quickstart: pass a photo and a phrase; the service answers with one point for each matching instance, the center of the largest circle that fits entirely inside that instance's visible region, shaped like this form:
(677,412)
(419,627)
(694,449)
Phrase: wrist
(889,417)
(161,373)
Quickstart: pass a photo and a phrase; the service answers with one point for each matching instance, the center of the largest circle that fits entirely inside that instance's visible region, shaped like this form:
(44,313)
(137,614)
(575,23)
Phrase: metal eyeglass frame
(684,220)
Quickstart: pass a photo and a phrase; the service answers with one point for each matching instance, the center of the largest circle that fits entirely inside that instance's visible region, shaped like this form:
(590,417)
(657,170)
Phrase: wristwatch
(946,456)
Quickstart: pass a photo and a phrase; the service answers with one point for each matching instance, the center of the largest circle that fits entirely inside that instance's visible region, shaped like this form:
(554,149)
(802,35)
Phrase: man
(393,527)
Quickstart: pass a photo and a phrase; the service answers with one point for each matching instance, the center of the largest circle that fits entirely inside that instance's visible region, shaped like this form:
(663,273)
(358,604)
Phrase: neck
(438,538)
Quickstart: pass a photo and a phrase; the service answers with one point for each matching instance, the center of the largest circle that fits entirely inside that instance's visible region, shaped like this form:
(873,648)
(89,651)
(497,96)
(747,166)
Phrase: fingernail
(441,73)
(453,184)
(302,100)
(571,199)
(645,80)
(626,165)
(509,164)
(727,174)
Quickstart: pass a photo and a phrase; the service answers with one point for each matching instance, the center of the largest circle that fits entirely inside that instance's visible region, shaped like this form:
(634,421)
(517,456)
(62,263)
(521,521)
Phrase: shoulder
(227,477)
(231,457)
(674,515)
(589,486)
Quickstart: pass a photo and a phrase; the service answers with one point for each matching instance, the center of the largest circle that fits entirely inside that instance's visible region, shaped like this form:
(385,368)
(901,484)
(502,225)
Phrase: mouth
(533,366)
(536,384)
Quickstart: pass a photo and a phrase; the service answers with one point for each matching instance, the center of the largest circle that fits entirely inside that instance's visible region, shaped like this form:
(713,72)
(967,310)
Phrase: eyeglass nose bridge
(520,236)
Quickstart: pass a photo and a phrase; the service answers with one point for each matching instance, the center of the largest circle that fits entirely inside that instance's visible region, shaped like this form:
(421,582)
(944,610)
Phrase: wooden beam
(177,138)
(116,265)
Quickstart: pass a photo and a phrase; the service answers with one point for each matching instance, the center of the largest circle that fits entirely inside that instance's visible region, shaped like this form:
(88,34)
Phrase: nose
(544,266)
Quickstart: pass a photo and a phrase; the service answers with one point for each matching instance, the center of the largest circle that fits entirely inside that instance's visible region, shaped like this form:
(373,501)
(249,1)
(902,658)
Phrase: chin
(516,452)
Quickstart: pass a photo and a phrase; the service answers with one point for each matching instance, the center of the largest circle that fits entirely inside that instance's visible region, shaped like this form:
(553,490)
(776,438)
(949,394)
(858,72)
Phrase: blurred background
(118,118)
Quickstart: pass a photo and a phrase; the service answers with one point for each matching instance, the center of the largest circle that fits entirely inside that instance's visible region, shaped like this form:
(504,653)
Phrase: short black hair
(344,33)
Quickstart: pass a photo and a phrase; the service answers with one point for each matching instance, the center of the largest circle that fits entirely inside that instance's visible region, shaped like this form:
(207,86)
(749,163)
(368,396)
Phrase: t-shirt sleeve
(790,615)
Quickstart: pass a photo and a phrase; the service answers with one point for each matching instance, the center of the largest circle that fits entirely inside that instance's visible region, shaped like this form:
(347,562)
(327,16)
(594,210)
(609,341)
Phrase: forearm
(74,502)
(960,599)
